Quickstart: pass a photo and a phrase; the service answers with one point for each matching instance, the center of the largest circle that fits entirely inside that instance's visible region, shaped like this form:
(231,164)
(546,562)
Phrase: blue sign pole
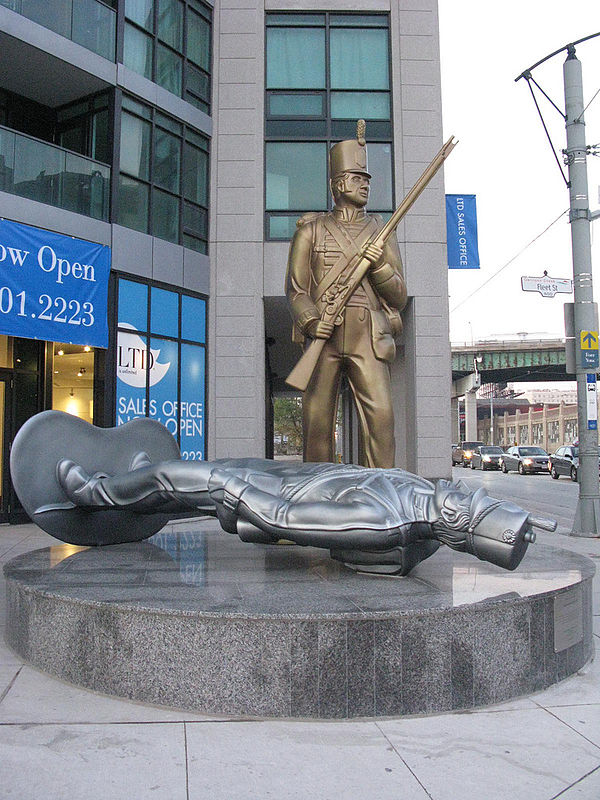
(461,231)
(52,287)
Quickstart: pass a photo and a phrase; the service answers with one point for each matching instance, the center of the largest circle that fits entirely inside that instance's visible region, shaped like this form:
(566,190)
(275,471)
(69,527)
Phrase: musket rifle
(357,268)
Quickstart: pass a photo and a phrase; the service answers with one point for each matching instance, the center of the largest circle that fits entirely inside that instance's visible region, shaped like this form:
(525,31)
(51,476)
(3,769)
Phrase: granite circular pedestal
(194,618)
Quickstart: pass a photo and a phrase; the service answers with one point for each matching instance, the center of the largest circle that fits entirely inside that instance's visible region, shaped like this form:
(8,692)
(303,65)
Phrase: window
(169,42)
(161,361)
(163,180)
(84,126)
(323,72)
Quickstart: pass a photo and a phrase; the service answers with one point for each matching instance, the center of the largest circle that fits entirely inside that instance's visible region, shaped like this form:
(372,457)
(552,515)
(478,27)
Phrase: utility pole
(584,318)
(587,517)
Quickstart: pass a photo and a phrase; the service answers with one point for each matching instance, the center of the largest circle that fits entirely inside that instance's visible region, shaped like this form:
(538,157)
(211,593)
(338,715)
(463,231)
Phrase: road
(536,493)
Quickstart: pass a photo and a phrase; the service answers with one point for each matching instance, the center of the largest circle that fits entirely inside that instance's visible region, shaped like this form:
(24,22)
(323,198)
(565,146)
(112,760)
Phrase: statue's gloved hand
(320,329)
(374,254)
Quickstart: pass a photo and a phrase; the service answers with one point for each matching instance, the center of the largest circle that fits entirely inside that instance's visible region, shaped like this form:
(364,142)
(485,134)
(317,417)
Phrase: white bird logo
(132,359)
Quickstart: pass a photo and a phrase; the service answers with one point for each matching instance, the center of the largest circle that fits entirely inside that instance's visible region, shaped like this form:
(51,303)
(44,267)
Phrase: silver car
(525,459)
(486,457)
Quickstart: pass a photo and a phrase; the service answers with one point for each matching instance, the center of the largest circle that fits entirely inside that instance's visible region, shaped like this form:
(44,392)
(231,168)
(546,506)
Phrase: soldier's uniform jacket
(321,246)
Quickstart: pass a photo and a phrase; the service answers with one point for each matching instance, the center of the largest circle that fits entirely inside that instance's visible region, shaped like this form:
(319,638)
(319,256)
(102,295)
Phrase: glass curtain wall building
(105,137)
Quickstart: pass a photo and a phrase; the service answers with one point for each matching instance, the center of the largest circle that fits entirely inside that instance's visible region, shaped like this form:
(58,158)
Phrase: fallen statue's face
(372,519)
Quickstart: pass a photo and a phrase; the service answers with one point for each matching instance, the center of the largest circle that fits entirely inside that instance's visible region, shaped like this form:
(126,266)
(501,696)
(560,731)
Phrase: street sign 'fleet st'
(547,286)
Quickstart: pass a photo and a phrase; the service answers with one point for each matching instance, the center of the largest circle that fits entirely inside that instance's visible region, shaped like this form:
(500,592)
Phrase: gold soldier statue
(359,341)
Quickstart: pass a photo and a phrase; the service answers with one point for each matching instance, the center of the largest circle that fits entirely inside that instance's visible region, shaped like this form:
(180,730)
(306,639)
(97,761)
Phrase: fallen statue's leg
(166,486)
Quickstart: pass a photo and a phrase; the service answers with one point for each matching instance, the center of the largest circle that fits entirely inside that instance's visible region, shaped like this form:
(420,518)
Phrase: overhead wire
(529,82)
(508,263)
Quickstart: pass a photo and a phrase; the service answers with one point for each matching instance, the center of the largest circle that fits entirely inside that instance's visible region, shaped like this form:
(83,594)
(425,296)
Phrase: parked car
(565,461)
(486,457)
(525,459)
(462,454)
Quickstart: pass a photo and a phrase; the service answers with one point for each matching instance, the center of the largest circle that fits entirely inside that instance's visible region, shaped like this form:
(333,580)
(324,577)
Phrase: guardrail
(90,23)
(49,174)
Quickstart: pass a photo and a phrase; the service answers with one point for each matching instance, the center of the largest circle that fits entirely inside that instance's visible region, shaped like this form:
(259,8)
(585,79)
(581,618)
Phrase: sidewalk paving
(59,742)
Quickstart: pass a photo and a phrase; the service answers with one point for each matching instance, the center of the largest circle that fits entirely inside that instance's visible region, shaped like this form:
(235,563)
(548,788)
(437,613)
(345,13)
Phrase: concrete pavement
(58,741)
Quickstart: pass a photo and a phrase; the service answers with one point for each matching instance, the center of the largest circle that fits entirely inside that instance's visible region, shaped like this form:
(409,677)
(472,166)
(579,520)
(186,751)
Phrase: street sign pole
(587,517)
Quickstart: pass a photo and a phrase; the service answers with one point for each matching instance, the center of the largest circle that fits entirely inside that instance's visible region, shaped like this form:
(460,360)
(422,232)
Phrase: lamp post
(587,515)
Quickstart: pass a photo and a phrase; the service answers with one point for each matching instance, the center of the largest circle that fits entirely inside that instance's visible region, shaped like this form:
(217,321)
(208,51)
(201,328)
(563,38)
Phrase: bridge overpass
(527,360)
(499,362)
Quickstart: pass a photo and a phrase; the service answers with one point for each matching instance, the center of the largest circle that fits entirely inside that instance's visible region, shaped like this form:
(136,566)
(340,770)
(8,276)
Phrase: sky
(504,158)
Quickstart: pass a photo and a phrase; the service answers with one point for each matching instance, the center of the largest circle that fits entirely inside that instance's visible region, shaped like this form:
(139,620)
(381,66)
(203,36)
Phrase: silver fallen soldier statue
(106,486)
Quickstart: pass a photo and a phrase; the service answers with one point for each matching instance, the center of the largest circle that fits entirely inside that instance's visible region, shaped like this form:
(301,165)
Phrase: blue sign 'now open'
(52,287)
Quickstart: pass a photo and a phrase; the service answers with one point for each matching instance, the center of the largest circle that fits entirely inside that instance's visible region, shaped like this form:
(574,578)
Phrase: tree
(287,425)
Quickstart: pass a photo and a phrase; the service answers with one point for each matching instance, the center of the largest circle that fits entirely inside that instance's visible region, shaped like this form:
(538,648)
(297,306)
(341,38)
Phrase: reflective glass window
(134,198)
(198,87)
(193,318)
(296,105)
(193,243)
(164,312)
(168,123)
(170,22)
(380,167)
(135,146)
(141,12)
(295,176)
(195,220)
(295,58)
(101,139)
(167,159)
(133,304)
(198,40)
(168,69)
(281,227)
(129,104)
(165,216)
(360,105)
(52,14)
(137,51)
(359,59)
(195,174)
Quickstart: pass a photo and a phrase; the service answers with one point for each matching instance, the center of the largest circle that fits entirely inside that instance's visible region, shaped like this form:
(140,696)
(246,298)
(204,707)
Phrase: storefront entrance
(37,375)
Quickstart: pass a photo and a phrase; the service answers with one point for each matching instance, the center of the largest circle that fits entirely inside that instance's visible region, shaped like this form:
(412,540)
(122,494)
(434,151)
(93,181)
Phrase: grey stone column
(237,383)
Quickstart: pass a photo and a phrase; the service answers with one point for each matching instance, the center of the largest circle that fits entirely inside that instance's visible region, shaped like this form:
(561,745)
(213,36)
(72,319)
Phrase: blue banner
(461,231)
(52,287)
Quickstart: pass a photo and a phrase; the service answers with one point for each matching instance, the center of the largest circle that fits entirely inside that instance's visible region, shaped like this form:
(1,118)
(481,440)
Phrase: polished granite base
(196,619)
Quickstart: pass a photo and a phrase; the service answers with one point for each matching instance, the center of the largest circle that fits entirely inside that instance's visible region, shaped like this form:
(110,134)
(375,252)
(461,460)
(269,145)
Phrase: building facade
(185,137)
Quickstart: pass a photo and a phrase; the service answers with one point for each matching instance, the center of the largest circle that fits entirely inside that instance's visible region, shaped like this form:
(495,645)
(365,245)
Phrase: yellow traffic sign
(589,340)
